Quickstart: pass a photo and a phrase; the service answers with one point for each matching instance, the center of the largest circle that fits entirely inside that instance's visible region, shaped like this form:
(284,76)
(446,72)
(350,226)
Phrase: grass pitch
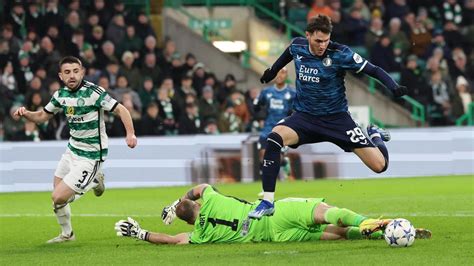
(443,204)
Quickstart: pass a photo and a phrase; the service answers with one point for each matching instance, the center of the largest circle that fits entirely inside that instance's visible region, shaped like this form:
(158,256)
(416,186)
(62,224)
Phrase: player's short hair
(185,211)
(69,60)
(319,23)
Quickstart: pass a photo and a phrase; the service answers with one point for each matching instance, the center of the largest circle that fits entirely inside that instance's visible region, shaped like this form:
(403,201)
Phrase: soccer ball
(400,233)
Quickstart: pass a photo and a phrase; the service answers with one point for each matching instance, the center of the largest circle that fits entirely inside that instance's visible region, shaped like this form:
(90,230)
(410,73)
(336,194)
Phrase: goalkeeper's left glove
(130,228)
(399,91)
(169,212)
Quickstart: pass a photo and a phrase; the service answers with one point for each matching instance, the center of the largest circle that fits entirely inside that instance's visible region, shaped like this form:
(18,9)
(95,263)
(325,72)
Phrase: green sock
(343,217)
(353,233)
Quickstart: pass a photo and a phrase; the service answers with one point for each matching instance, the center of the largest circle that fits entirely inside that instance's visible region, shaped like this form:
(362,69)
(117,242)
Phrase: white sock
(269,196)
(63,215)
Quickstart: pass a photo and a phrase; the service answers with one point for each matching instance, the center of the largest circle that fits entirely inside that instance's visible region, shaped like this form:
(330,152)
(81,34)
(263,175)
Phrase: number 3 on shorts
(356,134)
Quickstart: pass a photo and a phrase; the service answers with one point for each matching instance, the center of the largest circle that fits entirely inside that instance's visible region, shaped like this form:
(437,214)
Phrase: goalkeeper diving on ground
(223,219)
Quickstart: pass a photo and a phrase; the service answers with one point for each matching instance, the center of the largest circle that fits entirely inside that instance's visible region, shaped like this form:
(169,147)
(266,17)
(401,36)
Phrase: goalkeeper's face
(71,74)
(318,42)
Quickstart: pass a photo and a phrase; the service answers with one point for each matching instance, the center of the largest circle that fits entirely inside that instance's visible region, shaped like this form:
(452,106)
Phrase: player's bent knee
(379,167)
(58,198)
(274,138)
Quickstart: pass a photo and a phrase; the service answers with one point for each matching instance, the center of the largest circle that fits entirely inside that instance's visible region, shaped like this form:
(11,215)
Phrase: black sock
(378,142)
(271,162)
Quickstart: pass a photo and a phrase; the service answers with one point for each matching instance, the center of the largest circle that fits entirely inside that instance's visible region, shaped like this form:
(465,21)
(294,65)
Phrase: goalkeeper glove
(268,75)
(399,91)
(169,212)
(130,228)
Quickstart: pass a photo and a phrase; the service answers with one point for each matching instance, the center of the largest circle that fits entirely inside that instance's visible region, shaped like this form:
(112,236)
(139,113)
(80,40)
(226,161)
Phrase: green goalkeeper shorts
(294,220)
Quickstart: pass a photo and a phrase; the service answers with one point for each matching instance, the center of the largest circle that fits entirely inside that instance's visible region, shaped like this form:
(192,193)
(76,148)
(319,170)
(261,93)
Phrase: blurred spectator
(97,39)
(412,77)
(75,5)
(73,23)
(199,78)
(210,127)
(356,27)
(17,19)
(92,22)
(460,66)
(88,57)
(24,72)
(364,9)
(454,38)
(377,8)
(438,42)
(452,11)
(227,89)
(423,17)
(468,13)
(102,11)
(121,89)
(374,33)
(34,17)
(185,89)
(147,93)
(13,129)
(143,26)
(441,99)
(212,81)
(151,123)
(131,42)
(151,69)
(112,71)
(462,97)
(190,122)
(240,107)
(130,71)
(59,43)
(189,62)
(338,33)
(176,69)
(167,54)
(106,55)
(319,7)
(420,39)
(228,121)
(396,9)
(398,37)
(382,55)
(8,79)
(116,30)
(169,112)
(53,15)
(117,128)
(14,43)
(208,107)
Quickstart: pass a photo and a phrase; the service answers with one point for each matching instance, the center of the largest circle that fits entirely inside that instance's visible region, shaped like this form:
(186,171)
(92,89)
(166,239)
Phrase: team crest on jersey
(327,61)
(70,110)
(269,95)
(357,58)
(81,102)
(287,96)
(298,57)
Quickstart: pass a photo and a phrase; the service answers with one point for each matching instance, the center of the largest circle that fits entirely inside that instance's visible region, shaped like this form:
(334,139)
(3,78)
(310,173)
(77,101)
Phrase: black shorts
(339,129)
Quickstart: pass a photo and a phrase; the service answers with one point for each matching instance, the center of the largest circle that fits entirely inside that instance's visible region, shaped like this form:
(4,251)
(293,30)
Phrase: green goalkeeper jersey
(220,220)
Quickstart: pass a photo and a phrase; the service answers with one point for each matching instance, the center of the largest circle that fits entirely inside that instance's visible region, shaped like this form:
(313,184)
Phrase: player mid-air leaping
(321,109)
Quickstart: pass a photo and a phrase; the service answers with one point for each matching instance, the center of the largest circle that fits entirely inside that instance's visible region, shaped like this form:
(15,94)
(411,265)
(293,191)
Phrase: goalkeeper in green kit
(223,219)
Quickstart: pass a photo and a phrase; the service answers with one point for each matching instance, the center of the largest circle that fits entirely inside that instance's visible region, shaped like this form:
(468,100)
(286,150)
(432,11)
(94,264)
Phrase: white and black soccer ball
(400,233)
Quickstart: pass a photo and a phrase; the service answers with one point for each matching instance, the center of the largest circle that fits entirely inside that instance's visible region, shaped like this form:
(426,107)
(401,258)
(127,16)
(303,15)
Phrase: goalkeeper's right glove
(169,212)
(268,75)
(130,228)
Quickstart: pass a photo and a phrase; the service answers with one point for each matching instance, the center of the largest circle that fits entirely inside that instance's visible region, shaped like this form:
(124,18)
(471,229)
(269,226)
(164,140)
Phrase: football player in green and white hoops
(80,167)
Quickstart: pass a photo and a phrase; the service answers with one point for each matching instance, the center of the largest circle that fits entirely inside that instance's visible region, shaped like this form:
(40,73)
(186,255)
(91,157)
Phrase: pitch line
(414,214)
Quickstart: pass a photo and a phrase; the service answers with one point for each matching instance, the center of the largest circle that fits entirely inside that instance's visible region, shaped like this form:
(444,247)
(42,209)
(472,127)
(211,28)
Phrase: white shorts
(77,172)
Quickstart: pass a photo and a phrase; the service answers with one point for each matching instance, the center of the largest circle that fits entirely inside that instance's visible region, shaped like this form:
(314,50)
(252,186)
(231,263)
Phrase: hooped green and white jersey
(84,110)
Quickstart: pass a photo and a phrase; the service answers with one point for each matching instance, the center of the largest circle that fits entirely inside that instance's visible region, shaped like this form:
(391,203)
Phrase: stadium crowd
(166,93)
(427,47)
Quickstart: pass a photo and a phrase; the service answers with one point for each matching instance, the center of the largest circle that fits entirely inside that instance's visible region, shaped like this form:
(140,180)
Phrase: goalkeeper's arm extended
(169,212)
(131,228)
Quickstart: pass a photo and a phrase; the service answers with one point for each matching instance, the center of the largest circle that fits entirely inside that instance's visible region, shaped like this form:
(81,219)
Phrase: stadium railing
(417,109)
(468,117)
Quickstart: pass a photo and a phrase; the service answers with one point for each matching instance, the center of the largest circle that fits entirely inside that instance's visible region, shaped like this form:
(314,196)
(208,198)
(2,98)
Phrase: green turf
(442,204)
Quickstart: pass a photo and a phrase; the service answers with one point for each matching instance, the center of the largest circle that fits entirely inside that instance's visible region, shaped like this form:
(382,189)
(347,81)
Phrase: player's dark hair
(320,23)
(185,211)
(69,60)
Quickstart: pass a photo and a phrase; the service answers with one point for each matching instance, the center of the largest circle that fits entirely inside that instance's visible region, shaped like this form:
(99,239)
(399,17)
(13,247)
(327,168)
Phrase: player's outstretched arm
(37,117)
(131,228)
(169,212)
(380,74)
(282,61)
(126,118)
